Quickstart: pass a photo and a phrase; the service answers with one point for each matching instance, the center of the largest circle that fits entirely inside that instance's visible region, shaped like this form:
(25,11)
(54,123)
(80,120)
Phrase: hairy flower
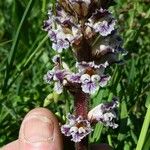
(60,45)
(58,76)
(91,84)
(48,77)
(91,67)
(77,128)
(104,28)
(104,113)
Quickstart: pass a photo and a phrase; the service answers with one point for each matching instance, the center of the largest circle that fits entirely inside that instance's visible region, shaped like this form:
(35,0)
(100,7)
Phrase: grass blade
(14,47)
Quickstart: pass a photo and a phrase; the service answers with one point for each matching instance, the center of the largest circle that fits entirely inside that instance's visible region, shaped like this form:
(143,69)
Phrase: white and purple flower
(77,128)
(58,76)
(48,77)
(91,84)
(60,45)
(99,69)
(90,77)
(104,28)
(105,114)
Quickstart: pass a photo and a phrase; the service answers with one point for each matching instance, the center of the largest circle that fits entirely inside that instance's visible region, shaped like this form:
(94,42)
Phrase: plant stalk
(81,109)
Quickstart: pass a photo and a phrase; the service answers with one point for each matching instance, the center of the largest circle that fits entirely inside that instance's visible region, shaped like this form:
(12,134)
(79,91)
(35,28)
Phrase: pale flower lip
(105,114)
(77,128)
(89,85)
(58,76)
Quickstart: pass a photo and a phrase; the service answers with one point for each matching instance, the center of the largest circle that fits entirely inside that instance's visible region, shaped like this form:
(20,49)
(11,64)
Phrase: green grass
(25,56)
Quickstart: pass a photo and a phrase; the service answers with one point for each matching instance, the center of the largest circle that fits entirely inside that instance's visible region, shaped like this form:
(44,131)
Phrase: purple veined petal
(49,76)
(74,78)
(82,132)
(58,87)
(76,137)
(109,116)
(57,47)
(66,44)
(104,80)
(85,78)
(104,28)
(59,75)
(60,43)
(63,18)
(89,83)
(61,13)
(65,129)
(99,68)
(90,87)
(63,43)
(52,35)
(108,119)
(111,105)
(47,25)
(77,130)
(71,119)
(104,113)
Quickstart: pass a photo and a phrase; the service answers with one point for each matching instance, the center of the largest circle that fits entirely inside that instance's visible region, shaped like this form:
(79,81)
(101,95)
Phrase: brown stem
(83,52)
(81,109)
(83,145)
(81,104)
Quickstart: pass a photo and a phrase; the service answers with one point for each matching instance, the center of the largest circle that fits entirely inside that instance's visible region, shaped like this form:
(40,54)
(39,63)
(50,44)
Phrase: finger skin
(56,144)
(49,144)
(11,146)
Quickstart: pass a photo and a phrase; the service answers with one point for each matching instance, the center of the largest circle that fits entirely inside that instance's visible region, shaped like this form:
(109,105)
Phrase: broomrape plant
(88,29)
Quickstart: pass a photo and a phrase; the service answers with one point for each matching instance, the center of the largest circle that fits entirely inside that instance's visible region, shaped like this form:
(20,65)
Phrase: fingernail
(37,129)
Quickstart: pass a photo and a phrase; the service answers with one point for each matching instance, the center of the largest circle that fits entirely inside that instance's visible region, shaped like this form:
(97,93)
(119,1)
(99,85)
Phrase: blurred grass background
(25,56)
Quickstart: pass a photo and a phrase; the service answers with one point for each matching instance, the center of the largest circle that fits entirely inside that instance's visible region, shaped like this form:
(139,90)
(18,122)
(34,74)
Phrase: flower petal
(85,78)
(104,113)
(58,87)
